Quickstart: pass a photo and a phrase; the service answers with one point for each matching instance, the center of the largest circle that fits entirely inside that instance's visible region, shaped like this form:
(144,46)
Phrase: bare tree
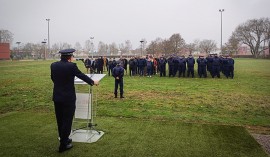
(232,46)
(177,42)
(122,49)
(77,46)
(102,48)
(64,46)
(207,46)
(191,47)
(6,36)
(28,50)
(155,47)
(55,49)
(113,48)
(152,48)
(254,33)
(166,46)
(87,45)
(128,46)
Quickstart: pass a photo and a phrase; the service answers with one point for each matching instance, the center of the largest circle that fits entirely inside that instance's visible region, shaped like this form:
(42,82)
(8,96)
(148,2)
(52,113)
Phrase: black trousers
(121,83)
(162,71)
(190,71)
(202,71)
(216,71)
(64,112)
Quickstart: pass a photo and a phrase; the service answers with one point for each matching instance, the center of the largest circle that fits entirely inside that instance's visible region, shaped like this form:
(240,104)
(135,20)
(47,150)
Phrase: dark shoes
(69,141)
(63,148)
(121,96)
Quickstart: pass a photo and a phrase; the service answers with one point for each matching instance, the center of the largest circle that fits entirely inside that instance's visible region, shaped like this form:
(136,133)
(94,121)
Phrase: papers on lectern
(95,77)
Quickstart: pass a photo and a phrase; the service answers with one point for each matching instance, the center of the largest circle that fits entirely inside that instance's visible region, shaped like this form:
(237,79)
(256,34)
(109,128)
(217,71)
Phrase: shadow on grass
(35,134)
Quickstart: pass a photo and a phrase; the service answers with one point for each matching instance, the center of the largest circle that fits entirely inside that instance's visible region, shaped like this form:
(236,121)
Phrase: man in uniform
(63,73)
(99,65)
(110,66)
(118,74)
(181,66)
(231,66)
(202,62)
(87,64)
(225,66)
(216,66)
(162,66)
(190,65)
(209,59)
(132,66)
(141,65)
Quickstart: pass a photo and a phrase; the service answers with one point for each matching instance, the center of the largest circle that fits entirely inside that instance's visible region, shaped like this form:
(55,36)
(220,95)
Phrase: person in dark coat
(231,66)
(149,67)
(202,62)
(181,66)
(190,66)
(209,66)
(118,74)
(141,65)
(225,65)
(63,73)
(171,66)
(132,66)
(162,66)
(175,65)
(99,65)
(87,64)
(216,66)
(125,64)
(110,66)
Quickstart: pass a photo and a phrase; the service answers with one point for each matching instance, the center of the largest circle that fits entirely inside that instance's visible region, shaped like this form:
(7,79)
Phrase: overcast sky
(110,21)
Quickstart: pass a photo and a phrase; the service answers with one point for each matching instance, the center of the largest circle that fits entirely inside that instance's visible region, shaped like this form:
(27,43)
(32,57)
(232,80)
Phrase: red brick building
(4,51)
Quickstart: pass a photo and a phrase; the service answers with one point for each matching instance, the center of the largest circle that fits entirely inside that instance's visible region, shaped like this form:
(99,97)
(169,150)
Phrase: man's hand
(117,78)
(96,83)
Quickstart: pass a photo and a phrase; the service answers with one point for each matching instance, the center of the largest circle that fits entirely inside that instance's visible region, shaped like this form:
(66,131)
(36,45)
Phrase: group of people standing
(177,65)
(213,63)
(148,66)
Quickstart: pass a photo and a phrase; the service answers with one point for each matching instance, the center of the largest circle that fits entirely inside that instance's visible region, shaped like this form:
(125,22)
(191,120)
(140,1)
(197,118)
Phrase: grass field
(158,117)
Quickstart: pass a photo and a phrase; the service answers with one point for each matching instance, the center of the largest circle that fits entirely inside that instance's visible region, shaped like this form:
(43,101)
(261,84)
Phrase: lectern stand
(83,127)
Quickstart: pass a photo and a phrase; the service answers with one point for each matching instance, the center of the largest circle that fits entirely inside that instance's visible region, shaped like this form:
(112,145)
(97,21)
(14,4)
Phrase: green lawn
(35,134)
(185,104)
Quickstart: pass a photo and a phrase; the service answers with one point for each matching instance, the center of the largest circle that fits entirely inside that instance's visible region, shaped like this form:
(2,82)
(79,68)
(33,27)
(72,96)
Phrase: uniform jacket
(201,61)
(62,75)
(118,71)
(190,61)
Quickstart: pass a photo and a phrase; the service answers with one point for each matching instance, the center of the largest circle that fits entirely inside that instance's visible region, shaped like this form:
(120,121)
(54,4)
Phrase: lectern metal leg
(84,114)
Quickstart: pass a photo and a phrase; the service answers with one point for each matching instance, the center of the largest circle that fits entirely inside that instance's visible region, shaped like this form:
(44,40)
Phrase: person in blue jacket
(216,66)
(118,74)
(182,66)
(231,66)
(202,62)
(63,73)
(190,66)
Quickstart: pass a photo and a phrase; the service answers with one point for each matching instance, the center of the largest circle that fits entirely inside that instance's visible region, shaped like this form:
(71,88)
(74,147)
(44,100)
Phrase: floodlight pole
(141,47)
(92,46)
(18,42)
(48,34)
(221,10)
(44,43)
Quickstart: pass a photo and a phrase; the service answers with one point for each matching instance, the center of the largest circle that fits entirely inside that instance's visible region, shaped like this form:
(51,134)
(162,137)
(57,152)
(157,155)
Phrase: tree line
(254,33)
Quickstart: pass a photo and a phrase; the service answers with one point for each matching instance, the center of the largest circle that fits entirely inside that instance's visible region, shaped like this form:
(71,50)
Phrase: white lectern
(83,123)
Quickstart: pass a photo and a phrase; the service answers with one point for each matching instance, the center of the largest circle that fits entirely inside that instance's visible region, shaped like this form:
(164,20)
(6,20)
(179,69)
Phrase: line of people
(148,66)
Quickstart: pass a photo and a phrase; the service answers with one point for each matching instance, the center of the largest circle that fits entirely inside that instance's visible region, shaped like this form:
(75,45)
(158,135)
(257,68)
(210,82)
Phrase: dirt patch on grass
(264,141)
